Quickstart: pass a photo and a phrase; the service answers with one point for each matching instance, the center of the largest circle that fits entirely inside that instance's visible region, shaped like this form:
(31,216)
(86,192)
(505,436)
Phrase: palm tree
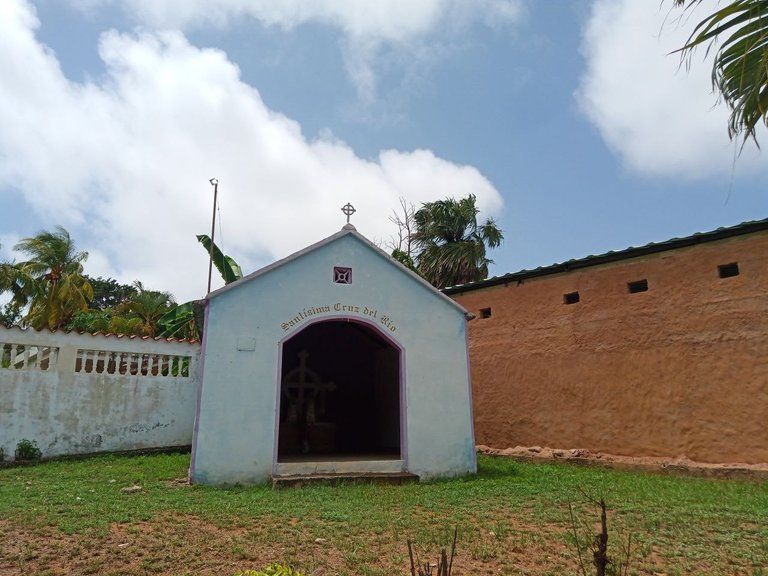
(52,279)
(450,243)
(148,306)
(740,71)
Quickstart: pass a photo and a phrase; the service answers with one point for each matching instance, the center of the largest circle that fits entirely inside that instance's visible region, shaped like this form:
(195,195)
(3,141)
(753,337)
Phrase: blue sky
(570,122)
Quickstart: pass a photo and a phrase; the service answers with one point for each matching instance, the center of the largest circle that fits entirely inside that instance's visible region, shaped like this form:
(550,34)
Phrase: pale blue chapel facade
(334,360)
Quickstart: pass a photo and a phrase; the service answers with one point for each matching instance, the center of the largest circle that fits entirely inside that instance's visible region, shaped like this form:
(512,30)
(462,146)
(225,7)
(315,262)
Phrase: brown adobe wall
(679,370)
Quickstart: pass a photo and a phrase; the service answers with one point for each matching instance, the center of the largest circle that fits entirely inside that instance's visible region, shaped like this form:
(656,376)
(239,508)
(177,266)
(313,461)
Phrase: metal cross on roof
(348,209)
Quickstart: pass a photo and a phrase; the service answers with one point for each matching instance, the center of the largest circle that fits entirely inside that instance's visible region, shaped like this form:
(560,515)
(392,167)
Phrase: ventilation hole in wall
(342,275)
(728,270)
(571,298)
(637,286)
(485,312)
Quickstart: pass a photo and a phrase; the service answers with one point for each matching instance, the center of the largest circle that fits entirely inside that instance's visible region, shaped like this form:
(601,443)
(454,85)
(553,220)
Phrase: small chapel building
(336,360)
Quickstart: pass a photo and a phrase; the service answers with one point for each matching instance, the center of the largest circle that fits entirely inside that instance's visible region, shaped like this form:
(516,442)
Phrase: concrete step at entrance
(338,465)
(299,480)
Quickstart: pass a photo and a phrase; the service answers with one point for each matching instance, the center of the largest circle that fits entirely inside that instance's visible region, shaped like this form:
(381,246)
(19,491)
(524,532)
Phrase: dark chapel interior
(340,394)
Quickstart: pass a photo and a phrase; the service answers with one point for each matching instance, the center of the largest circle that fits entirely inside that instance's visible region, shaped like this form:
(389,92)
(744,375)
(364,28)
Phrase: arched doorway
(339,394)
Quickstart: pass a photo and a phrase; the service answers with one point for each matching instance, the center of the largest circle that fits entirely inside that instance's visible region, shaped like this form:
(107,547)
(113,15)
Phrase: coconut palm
(451,245)
(740,71)
(52,279)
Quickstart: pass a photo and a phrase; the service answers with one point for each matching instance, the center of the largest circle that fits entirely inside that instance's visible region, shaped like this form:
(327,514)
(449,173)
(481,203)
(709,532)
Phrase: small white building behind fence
(81,393)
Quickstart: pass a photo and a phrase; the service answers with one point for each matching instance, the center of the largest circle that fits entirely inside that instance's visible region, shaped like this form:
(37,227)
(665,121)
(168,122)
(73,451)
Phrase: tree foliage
(405,259)
(138,314)
(450,243)
(10,315)
(11,312)
(738,34)
(179,322)
(141,313)
(109,293)
(53,289)
(51,279)
(186,319)
(91,321)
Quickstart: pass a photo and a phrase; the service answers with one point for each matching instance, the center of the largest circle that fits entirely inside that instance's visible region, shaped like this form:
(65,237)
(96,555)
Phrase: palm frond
(738,32)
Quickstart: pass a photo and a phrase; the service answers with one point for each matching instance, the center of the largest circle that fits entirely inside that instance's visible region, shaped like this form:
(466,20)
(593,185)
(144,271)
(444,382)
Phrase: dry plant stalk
(444,563)
(599,546)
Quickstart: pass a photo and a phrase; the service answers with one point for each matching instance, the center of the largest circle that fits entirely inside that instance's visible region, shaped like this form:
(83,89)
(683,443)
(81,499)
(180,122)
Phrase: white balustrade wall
(81,393)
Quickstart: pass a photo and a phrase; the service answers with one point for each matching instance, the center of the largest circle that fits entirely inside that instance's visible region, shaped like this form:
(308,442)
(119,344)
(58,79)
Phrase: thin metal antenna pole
(215,183)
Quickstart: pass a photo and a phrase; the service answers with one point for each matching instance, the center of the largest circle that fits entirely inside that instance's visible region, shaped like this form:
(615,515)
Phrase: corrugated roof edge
(108,335)
(613,256)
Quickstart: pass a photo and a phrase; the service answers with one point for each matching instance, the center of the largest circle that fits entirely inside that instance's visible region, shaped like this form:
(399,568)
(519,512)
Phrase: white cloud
(365,25)
(126,161)
(658,116)
(7,242)
(391,21)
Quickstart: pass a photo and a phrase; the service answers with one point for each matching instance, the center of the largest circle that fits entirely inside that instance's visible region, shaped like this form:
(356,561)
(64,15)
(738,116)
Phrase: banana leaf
(178,322)
(227,267)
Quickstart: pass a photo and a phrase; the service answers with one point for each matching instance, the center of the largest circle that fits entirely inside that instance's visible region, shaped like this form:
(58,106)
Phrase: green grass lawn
(69,517)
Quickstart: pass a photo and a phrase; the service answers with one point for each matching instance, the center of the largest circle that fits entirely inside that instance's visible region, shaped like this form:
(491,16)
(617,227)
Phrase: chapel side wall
(238,392)
(79,393)
(438,407)
(678,370)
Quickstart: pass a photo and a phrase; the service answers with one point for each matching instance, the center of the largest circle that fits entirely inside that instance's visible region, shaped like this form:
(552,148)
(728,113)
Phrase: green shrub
(27,450)
(273,569)
(2,454)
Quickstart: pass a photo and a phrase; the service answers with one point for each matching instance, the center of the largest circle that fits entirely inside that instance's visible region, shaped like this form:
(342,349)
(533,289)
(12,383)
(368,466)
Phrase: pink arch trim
(384,335)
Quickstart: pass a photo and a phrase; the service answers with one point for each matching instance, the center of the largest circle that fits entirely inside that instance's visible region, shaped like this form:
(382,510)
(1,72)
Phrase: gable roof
(615,256)
(347,230)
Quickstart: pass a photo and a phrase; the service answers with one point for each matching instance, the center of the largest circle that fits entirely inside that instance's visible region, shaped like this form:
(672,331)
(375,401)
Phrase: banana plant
(227,267)
(186,320)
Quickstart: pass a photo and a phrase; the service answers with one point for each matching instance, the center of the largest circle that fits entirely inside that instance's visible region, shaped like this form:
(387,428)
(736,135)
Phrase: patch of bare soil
(164,545)
(679,465)
(173,545)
